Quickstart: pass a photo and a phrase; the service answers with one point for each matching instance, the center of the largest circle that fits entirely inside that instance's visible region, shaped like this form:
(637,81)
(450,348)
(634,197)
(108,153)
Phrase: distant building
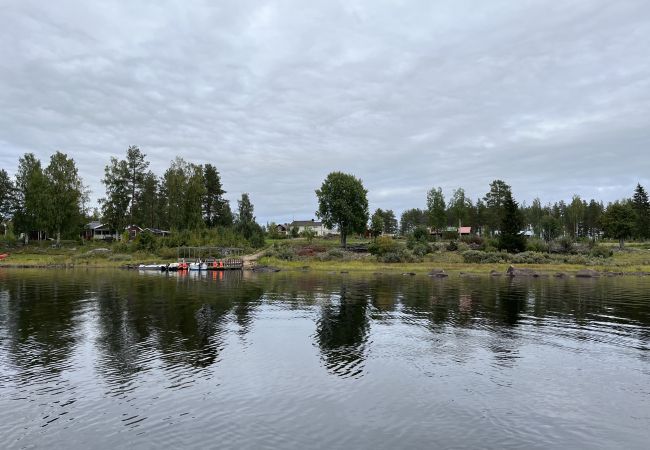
(464,231)
(158,232)
(133,231)
(302,225)
(99,231)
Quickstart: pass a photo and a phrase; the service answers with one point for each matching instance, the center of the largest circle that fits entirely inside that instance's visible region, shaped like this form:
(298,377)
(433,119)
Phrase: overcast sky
(552,97)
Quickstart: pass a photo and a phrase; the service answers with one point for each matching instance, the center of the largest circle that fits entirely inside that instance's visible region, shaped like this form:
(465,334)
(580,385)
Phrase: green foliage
(510,237)
(390,222)
(146,241)
(334,254)
(343,202)
(412,218)
(309,234)
(495,204)
(282,251)
(294,232)
(383,245)
(6,196)
(436,215)
(398,256)
(550,227)
(530,258)
(601,251)
(377,223)
(641,207)
(619,221)
(452,246)
(63,189)
(420,249)
(479,257)
(536,245)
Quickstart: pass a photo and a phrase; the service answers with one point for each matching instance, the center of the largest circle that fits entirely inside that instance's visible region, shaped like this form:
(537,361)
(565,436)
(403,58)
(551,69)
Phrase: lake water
(118,359)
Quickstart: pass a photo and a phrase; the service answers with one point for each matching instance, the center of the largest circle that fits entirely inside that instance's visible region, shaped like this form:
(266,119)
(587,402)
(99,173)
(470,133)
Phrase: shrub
(530,258)
(536,245)
(601,251)
(334,254)
(120,257)
(420,249)
(479,257)
(398,256)
(473,239)
(146,241)
(383,245)
(452,246)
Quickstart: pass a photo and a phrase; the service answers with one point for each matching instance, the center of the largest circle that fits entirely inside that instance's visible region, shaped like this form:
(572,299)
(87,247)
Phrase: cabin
(97,231)
(282,229)
(464,231)
(133,231)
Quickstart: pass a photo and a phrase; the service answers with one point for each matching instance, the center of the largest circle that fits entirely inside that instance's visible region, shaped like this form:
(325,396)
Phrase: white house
(318,227)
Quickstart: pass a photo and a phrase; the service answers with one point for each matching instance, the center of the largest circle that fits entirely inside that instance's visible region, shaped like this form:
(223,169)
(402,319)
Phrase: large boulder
(587,273)
(516,272)
(438,273)
(265,269)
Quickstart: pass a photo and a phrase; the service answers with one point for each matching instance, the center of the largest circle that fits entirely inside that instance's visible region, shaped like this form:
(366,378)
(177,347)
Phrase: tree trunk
(58,238)
(621,243)
(344,240)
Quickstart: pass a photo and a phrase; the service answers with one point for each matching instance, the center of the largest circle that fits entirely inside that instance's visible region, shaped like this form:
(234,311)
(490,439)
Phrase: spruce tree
(512,221)
(642,211)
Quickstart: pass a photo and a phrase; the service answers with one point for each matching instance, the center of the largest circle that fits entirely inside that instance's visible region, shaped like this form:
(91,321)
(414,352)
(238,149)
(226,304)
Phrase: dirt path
(250,260)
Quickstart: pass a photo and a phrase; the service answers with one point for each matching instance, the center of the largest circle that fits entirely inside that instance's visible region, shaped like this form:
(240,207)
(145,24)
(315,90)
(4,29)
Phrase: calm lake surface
(117,359)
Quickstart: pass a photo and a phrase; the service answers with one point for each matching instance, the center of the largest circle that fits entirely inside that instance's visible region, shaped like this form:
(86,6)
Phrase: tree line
(343,203)
(54,201)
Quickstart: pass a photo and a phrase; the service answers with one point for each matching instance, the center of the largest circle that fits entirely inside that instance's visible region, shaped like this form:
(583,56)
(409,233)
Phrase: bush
(281,251)
(120,257)
(536,245)
(530,258)
(383,245)
(420,249)
(601,251)
(473,239)
(479,257)
(399,256)
(146,241)
(334,254)
(452,246)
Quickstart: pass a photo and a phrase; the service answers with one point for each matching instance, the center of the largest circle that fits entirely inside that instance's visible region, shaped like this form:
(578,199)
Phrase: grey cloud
(554,98)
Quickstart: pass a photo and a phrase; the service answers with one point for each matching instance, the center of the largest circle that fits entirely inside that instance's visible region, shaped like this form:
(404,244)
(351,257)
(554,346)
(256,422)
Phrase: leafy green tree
(194,196)
(343,202)
(642,209)
(309,233)
(6,198)
(31,197)
(390,222)
(213,201)
(136,166)
(411,218)
(534,216)
(619,221)
(246,224)
(64,196)
(377,223)
(148,211)
(550,227)
(575,216)
(460,207)
(512,222)
(437,217)
(495,202)
(593,216)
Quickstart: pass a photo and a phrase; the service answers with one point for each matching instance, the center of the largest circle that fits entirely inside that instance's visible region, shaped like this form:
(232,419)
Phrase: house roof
(157,231)
(465,230)
(305,223)
(94,225)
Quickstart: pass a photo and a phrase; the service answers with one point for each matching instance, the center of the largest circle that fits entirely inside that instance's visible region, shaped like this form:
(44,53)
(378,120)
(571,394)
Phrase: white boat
(151,267)
(198,266)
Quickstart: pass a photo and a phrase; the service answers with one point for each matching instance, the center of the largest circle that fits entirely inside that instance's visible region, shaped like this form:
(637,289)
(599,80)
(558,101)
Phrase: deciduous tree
(343,202)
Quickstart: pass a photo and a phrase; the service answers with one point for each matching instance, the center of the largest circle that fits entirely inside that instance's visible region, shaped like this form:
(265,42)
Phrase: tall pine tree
(512,222)
(642,211)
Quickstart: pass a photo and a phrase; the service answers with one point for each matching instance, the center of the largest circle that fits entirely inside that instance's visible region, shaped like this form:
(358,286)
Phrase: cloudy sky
(552,97)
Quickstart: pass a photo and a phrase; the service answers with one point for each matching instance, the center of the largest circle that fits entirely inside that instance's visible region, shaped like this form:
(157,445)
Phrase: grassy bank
(321,255)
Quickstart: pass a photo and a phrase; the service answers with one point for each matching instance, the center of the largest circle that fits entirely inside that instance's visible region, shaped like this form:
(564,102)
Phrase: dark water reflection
(111,358)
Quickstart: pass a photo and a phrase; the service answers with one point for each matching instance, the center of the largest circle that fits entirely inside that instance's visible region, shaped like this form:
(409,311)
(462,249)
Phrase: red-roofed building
(465,231)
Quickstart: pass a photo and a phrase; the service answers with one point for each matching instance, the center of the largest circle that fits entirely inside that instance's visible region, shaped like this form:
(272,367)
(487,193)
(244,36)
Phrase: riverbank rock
(411,274)
(265,269)
(515,272)
(587,273)
(560,275)
(438,273)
